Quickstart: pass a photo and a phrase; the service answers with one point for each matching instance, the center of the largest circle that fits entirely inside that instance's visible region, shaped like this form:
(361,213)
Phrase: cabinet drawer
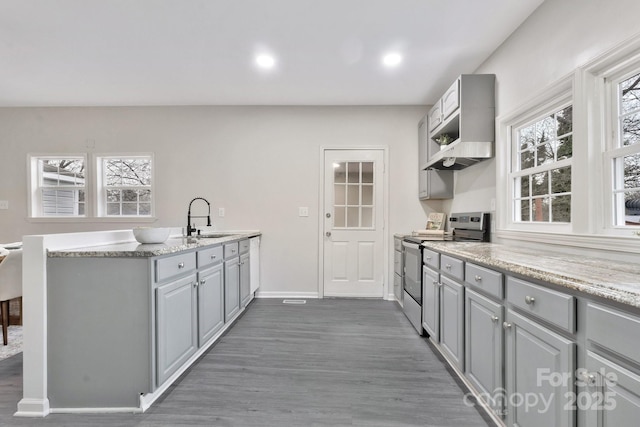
(230,250)
(209,256)
(244,246)
(554,307)
(175,265)
(614,330)
(431,258)
(482,278)
(397,262)
(452,266)
(451,100)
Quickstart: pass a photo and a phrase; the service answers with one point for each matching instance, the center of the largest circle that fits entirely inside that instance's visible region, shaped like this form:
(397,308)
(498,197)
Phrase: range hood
(460,154)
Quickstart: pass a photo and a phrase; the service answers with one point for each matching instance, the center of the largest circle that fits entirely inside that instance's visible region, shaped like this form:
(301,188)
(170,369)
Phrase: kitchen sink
(215,235)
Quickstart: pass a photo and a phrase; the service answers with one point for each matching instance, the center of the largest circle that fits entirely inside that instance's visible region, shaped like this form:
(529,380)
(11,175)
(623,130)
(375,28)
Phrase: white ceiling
(202,52)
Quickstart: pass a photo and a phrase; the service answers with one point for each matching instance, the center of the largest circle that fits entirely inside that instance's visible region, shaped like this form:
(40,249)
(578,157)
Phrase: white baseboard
(309,295)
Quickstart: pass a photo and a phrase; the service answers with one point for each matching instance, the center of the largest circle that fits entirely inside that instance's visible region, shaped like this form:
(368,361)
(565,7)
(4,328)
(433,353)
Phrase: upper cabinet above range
(461,124)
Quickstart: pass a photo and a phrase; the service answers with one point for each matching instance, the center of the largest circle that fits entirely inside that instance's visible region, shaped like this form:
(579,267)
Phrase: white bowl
(151,234)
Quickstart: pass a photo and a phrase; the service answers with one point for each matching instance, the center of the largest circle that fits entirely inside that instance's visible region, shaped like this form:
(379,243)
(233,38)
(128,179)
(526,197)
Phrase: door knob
(495,319)
(328,234)
(506,325)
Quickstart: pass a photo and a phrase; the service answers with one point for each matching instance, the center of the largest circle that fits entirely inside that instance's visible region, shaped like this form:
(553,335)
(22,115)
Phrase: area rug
(15,342)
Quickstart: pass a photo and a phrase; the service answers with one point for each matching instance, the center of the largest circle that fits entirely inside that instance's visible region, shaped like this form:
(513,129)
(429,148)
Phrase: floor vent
(294,301)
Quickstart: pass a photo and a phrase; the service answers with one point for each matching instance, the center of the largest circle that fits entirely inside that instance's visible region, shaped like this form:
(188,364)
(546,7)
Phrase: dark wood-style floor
(332,362)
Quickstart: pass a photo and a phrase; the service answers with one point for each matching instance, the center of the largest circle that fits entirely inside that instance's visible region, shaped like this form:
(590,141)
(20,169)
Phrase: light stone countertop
(134,249)
(616,281)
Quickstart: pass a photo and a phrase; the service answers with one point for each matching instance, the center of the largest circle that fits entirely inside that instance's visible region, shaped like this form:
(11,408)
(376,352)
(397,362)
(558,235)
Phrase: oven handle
(412,246)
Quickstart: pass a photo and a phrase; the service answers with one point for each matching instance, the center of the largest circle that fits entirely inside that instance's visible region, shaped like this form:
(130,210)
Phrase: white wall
(259,163)
(558,37)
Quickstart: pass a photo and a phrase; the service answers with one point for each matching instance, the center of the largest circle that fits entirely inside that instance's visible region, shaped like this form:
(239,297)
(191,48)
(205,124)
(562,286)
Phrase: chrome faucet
(192,229)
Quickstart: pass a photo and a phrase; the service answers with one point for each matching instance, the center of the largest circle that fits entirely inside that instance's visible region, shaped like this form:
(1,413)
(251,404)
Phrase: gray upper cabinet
(466,114)
(536,359)
(176,311)
(484,346)
(432,184)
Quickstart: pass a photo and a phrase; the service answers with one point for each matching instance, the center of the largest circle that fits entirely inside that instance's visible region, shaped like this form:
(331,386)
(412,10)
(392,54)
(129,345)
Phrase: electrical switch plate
(4,204)
(220,212)
(303,211)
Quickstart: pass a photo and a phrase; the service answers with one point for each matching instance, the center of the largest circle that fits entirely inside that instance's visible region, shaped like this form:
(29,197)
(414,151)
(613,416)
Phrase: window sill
(88,220)
(581,241)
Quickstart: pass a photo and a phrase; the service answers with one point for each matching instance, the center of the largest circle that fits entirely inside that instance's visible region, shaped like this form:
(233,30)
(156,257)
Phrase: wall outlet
(220,212)
(303,211)
(4,204)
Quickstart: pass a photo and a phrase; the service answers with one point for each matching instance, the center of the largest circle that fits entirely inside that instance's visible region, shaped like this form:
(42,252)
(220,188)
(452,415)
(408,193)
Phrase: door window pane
(354,188)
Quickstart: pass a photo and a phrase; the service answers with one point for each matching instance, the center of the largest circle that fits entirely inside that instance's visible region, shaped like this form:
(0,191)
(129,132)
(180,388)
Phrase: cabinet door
(540,365)
(435,116)
(435,184)
(484,347)
(423,139)
(210,303)
(608,393)
(245,281)
(231,288)
(451,100)
(177,338)
(452,320)
(431,303)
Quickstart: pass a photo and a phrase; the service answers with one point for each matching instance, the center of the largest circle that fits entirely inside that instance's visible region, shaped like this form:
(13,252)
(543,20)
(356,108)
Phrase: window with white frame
(68,186)
(624,149)
(542,151)
(58,186)
(125,186)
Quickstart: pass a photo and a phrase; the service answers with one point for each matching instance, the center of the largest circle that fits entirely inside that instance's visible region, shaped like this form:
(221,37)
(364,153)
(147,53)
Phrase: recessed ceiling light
(265,61)
(392,59)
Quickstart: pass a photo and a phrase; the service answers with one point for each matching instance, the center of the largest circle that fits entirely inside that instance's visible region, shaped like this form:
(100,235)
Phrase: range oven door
(412,269)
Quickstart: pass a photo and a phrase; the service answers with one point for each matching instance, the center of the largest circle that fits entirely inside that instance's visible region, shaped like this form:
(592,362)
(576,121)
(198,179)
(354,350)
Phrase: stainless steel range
(466,227)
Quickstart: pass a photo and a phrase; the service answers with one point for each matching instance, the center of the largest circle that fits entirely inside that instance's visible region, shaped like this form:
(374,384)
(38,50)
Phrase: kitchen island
(119,321)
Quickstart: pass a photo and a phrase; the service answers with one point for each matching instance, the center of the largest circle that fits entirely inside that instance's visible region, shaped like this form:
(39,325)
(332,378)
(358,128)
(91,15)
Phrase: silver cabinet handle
(195,284)
(506,325)
(181,265)
(448,266)
(428,258)
(233,251)
(435,282)
(529,300)
(328,234)
(495,319)
(213,257)
(478,278)
(203,281)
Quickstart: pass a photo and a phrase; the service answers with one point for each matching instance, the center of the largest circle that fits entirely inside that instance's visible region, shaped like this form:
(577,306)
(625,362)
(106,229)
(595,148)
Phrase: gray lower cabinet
(431,303)
(231,288)
(608,393)
(484,347)
(177,333)
(539,370)
(210,302)
(245,280)
(609,387)
(452,320)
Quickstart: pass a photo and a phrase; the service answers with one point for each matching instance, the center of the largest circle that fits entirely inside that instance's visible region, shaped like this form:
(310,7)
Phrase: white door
(353,223)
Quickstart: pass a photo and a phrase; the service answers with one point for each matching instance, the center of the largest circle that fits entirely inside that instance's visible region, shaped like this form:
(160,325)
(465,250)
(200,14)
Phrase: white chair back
(11,276)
